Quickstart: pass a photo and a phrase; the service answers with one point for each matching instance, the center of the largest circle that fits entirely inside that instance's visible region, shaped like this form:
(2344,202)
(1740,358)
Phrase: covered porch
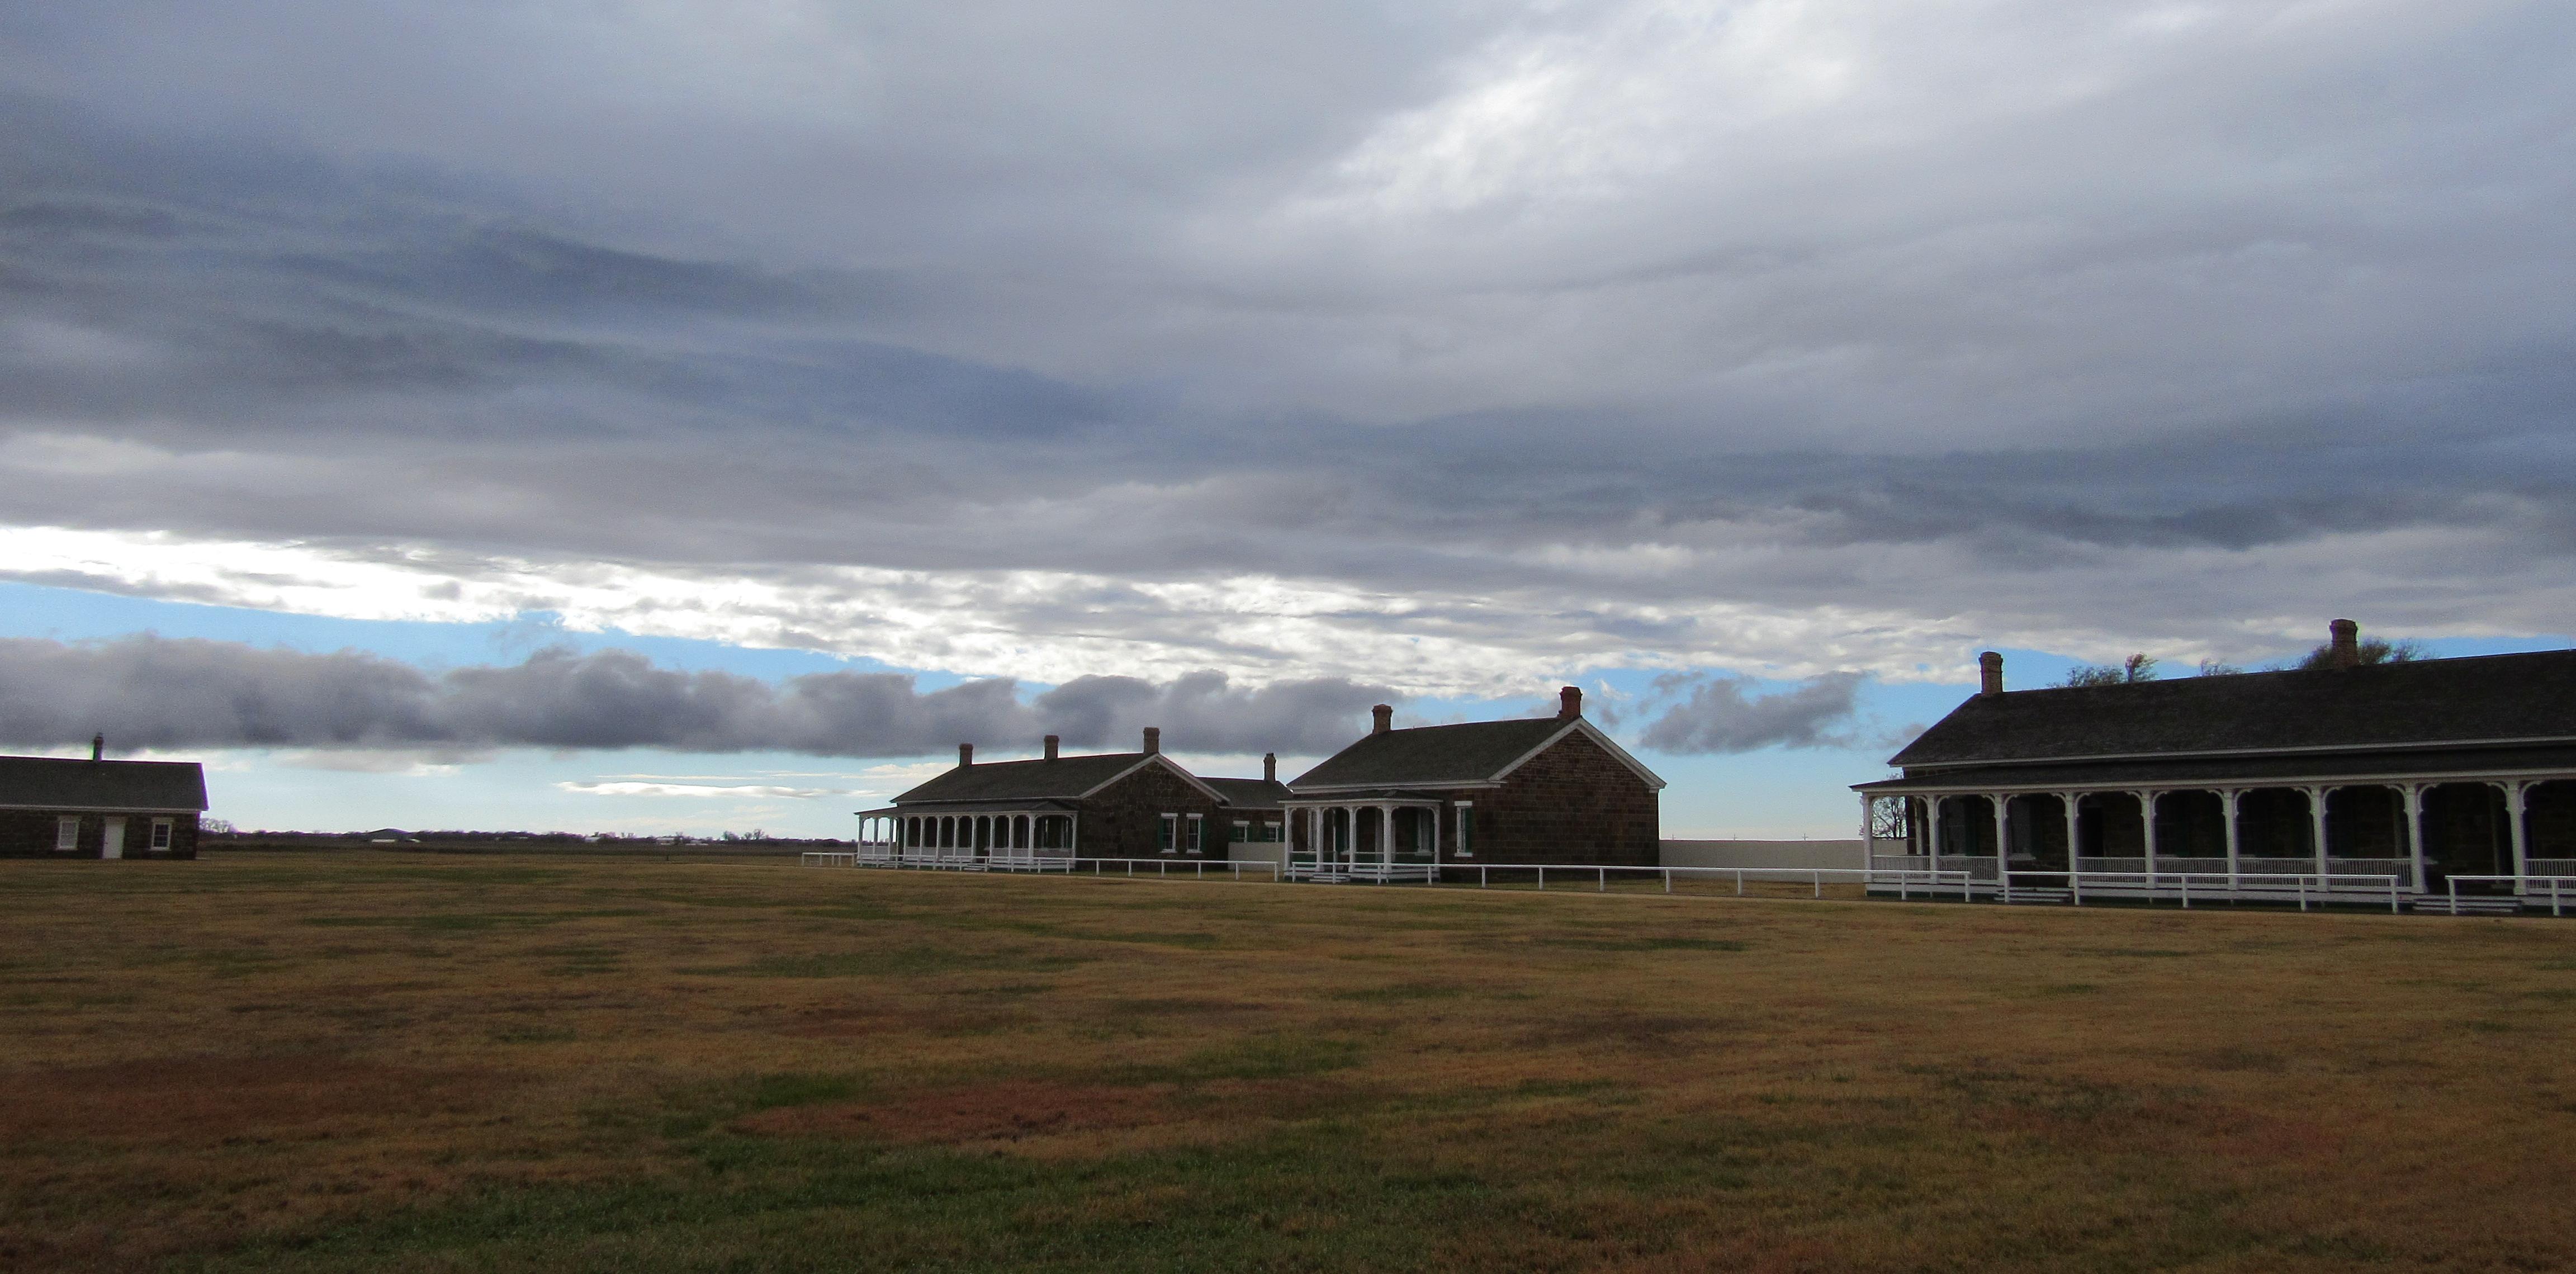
(1381,838)
(1000,836)
(2364,840)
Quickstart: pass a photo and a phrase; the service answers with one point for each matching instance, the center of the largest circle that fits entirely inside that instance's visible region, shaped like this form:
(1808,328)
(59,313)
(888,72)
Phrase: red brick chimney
(2345,638)
(1990,675)
(1569,703)
(1153,739)
(1269,767)
(1384,717)
(1050,745)
(965,755)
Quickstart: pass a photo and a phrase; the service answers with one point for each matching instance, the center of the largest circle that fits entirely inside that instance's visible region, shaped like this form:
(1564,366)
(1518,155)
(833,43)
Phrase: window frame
(1464,843)
(1167,834)
(67,829)
(164,835)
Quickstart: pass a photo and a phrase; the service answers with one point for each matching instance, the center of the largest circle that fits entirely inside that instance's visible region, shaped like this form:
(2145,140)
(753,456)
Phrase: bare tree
(2135,668)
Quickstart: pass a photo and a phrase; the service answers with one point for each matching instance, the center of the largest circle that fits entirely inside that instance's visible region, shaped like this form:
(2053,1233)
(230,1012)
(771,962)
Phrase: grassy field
(297,1062)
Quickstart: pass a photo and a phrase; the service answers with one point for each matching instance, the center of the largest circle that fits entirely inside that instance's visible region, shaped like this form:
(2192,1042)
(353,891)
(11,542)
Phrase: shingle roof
(46,782)
(2285,768)
(1062,779)
(1471,753)
(2487,698)
(1250,794)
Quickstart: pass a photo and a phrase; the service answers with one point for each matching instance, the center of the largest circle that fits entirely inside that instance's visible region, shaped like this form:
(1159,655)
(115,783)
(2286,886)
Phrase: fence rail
(2526,890)
(1966,881)
(1061,864)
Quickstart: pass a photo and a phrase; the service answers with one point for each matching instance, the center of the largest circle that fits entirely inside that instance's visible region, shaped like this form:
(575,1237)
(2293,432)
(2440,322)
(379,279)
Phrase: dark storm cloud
(1560,324)
(148,692)
(1719,716)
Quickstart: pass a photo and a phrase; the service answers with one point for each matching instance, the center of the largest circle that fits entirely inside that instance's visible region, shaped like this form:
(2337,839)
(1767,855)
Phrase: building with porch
(1398,803)
(1138,804)
(2377,779)
(64,807)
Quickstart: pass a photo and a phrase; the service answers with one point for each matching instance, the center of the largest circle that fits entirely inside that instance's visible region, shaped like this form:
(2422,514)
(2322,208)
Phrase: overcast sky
(1748,362)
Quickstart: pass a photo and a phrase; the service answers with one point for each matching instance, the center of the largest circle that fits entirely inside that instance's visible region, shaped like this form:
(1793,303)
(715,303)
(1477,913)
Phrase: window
(1466,830)
(161,834)
(1198,832)
(1171,829)
(1242,832)
(66,833)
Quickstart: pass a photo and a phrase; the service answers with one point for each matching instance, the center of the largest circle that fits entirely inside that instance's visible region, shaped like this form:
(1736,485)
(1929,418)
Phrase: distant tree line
(2143,666)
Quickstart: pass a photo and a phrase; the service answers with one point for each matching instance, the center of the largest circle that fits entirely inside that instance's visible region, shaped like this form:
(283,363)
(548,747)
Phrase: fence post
(2303,893)
(1480,875)
(2186,891)
(1739,882)
(1818,878)
(1605,882)
(2075,883)
(2392,895)
(1542,879)
(1668,886)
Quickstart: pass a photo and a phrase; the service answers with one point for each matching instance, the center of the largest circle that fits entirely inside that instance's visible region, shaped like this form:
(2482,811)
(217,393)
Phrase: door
(112,842)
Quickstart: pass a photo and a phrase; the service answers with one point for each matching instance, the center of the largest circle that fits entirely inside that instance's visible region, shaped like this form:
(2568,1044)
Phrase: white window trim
(1170,832)
(164,835)
(1466,837)
(66,833)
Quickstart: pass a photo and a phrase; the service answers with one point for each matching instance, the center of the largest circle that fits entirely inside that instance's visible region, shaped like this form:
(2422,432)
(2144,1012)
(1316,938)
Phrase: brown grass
(305,1062)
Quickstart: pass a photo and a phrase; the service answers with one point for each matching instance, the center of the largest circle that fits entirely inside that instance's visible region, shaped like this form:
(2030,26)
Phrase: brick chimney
(2344,638)
(98,747)
(1269,767)
(1990,675)
(965,755)
(1050,745)
(1153,739)
(1382,717)
(1569,703)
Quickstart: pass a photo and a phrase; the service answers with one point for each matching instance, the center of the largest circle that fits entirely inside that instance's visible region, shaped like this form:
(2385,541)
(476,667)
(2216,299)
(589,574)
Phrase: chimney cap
(1381,718)
(1990,674)
(965,754)
(2343,644)
(1051,744)
(1153,740)
(1569,703)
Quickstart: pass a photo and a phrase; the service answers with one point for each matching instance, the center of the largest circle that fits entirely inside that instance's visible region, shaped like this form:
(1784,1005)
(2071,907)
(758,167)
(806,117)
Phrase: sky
(677,416)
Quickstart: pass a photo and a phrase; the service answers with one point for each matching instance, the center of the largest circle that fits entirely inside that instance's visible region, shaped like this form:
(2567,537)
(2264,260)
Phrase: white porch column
(1431,819)
(2147,824)
(2414,793)
(2227,803)
(2003,827)
(1868,831)
(2514,793)
(1932,830)
(2074,846)
(2317,820)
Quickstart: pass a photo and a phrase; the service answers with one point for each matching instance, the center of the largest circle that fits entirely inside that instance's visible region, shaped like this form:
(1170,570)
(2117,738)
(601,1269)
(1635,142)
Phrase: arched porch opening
(2274,832)
(2466,833)
(1967,827)
(2110,832)
(2549,820)
(2191,831)
(2036,822)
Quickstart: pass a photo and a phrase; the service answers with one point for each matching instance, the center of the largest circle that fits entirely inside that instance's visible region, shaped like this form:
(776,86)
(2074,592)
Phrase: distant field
(303,1062)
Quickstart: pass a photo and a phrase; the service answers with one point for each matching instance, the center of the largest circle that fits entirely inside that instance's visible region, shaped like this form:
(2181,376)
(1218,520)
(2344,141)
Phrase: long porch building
(2424,777)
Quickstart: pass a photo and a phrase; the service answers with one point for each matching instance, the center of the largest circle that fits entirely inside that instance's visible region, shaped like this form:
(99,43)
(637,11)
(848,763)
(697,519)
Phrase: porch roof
(2281,770)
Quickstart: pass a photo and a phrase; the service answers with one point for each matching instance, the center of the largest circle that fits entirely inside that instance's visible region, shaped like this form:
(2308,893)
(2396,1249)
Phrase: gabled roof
(45,782)
(1064,779)
(2422,703)
(1250,794)
(1452,755)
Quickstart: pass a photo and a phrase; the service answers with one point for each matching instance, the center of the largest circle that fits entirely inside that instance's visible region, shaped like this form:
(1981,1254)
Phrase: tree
(2372,651)
(2214,668)
(2137,667)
